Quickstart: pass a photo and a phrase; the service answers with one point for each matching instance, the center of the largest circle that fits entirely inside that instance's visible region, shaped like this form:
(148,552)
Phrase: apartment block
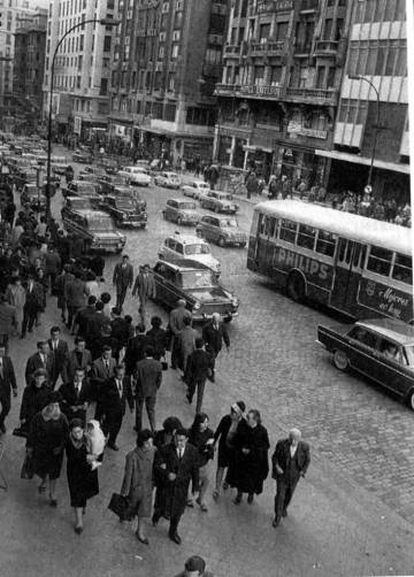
(283,66)
(166,64)
(82,67)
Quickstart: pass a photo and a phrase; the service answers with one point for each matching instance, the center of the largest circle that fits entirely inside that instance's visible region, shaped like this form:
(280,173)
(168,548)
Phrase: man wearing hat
(290,462)
(195,566)
(122,279)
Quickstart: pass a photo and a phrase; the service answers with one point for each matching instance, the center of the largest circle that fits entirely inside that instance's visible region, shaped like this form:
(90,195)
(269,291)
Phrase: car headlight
(196,306)
(235,301)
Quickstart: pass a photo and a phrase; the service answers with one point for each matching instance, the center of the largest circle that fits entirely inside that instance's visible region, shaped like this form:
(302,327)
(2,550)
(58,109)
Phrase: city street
(352,515)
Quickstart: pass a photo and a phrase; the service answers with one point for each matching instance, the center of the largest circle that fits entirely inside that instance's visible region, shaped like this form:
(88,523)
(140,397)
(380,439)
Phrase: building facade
(283,66)
(82,68)
(29,62)
(166,65)
(377,52)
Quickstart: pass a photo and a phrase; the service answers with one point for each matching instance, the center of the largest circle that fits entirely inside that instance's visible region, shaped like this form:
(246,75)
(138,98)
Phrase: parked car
(82,157)
(76,203)
(196,188)
(380,349)
(81,188)
(33,196)
(125,211)
(198,286)
(223,230)
(96,229)
(219,202)
(107,183)
(136,175)
(181,211)
(178,246)
(168,180)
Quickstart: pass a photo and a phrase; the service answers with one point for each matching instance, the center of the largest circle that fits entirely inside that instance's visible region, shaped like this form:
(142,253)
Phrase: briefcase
(120,506)
(27,471)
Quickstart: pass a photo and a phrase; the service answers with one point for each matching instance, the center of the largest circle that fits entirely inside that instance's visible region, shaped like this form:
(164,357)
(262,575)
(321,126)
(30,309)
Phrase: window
(107,44)
(363,336)
(269,226)
(326,243)
(281,30)
(104,87)
(392,352)
(379,261)
(306,236)
(403,269)
(288,231)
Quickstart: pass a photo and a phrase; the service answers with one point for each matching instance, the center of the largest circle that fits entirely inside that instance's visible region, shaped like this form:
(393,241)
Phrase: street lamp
(104,22)
(377,126)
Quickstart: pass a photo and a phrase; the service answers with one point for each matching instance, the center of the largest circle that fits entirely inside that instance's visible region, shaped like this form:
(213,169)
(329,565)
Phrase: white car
(135,175)
(185,247)
(196,188)
(168,180)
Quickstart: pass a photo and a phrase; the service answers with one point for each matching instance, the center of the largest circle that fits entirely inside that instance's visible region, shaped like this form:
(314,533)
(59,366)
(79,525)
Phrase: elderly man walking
(214,334)
(122,279)
(177,317)
(290,462)
(144,289)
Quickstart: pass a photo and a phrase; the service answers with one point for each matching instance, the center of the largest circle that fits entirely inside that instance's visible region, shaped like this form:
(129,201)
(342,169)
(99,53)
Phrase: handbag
(27,471)
(120,506)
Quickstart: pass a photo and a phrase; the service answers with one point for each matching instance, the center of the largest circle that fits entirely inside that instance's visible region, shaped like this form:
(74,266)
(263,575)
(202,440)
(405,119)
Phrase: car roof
(182,200)
(394,329)
(184,265)
(92,212)
(187,238)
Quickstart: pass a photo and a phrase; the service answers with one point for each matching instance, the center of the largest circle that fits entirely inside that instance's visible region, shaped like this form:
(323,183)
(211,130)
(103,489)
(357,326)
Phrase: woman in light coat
(16,296)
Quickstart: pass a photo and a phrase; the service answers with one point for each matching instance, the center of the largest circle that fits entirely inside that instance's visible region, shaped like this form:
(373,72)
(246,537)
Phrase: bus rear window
(379,261)
(326,243)
(288,231)
(306,236)
(403,270)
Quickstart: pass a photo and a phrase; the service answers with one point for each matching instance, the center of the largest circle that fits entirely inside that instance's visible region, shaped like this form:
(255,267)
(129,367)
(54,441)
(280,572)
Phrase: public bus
(359,266)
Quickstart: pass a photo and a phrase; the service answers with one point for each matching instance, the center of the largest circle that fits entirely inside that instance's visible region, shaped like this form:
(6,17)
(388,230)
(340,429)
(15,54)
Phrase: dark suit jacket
(112,402)
(148,375)
(99,373)
(71,399)
(120,332)
(281,457)
(214,338)
(134,352)
(72,364)
(199,365)
(59,357)
(8,381)
(123,277)
(34,362)
(34,299)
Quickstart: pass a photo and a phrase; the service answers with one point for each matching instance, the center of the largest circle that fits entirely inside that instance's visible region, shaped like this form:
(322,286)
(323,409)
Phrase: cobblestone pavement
(356,495)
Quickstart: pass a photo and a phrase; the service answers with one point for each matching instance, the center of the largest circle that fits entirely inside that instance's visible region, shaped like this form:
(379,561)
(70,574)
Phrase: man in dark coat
(290,462)
(135,349)
(84,316)
(75,295)
(102,370)
(76,396)
(94,329)
(119,332)
(7,384)
(32,305)
(144,288)
(177,465)
(60,351)
(42,359)
(53,263)
(79,358)
(177,316)
(8,321)
(199,367)
(148,377)
(122,279)
(117,394)
(214,334)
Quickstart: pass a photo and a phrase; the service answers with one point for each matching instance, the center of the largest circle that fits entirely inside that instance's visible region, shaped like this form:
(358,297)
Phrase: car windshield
(125,204)
(197,279)
(86,187)
(187,206)
(229,223)
(101,224)
(79,204)
(196,249)
(409,350)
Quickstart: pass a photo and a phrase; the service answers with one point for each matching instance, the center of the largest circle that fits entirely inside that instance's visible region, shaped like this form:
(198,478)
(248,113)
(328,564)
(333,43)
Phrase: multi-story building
(283,65)
(377,52)
(12,13)
(166,65)
(29,61)
(82,69)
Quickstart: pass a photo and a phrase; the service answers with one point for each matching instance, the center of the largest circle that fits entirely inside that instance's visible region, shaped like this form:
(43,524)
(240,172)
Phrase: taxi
(96,229)
(219,202)
(380,349)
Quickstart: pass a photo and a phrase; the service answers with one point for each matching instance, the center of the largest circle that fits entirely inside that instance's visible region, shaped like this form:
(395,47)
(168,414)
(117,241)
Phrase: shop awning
(355,159)
(173,133)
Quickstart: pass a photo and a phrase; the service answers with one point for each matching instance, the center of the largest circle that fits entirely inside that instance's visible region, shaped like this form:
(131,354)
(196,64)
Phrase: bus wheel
(340,360)
(296,287)
(410,399)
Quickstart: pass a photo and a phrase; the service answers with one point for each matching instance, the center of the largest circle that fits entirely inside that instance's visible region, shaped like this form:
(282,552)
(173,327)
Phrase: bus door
(350,260)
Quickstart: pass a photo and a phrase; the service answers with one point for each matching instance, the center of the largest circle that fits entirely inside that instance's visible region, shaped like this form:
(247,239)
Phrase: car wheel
(221,242)
(340,360)
(296,287)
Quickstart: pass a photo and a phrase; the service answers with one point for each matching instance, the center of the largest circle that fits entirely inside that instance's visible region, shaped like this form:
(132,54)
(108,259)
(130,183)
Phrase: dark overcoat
(251,469)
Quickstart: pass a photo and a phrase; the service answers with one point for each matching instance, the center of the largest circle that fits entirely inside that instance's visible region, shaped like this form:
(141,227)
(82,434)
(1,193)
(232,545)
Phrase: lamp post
(101,21)
(377,126)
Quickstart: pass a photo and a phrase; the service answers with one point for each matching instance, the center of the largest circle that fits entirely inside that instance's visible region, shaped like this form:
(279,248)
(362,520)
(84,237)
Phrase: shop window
(379,261)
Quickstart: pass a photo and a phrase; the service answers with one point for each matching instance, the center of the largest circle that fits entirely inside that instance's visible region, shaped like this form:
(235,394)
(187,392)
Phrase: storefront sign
(387,300)
(295,127)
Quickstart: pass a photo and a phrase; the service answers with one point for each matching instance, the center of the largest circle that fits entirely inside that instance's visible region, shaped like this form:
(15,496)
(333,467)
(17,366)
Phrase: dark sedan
(198,286)
(125,211)
(379,349)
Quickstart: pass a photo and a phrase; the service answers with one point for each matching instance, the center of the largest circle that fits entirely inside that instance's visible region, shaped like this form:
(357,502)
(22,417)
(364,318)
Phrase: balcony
(270,6)
(312,96)
(270,48)
(262,90)
(308,5)
(227,89)
(326,47)
(232,51)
